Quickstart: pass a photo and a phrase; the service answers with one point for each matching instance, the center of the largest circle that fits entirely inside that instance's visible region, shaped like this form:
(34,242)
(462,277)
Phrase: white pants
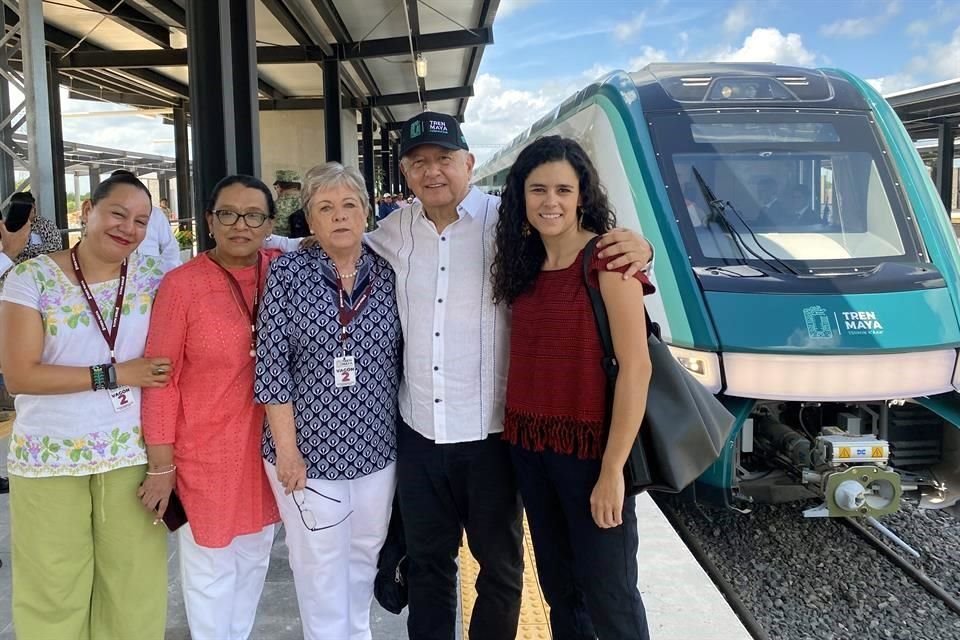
(222,587)
(334,569)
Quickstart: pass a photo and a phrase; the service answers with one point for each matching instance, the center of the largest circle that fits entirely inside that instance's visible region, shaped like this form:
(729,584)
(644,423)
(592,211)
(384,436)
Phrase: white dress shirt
(456,341)
(159,241)
(5,263)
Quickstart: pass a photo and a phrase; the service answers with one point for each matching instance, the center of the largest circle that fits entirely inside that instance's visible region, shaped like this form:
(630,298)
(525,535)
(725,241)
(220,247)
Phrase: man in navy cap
(454,471)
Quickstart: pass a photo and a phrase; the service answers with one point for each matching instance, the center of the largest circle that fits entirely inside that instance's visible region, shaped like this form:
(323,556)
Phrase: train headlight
(703,365)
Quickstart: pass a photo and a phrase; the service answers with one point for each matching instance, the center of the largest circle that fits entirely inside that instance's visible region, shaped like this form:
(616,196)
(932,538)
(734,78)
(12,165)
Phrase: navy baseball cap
(431,127)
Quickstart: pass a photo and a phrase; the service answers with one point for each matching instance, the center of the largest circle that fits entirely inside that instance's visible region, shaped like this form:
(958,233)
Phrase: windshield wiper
(718,214)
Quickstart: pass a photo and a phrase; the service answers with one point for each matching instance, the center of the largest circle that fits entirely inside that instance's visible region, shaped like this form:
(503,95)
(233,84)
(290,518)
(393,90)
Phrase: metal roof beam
(412,97)
(292,19)
(488,12)
(295,54)
(169,9)
(133,99)
(391,100)
(133,19)
(64,40)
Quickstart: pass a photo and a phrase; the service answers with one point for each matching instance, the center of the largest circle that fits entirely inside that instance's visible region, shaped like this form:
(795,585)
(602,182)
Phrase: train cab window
(806,188)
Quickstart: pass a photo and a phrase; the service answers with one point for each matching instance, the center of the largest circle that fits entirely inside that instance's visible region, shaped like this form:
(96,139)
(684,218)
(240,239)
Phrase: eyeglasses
(306,516)
(253,219)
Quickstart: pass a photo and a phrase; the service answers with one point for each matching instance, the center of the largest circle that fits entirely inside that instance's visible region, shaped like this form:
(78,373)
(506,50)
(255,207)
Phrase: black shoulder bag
(684,428)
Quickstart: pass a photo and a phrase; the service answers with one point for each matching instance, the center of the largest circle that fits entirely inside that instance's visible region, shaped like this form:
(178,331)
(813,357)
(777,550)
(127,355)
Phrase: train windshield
(810,189)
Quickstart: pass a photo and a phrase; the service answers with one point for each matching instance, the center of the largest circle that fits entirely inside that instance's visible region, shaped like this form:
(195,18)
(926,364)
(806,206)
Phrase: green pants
(88,563)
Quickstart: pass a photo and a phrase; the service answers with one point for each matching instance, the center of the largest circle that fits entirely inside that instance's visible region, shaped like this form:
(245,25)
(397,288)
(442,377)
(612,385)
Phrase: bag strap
(609,362)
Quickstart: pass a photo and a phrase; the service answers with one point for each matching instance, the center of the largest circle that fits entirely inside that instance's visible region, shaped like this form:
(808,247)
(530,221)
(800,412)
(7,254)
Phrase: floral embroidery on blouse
(97,452)
(73,315)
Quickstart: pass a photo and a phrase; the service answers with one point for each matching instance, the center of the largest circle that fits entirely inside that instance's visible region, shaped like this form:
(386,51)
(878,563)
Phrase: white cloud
(918,28)
(861,27)
(647,55)
(626,30)
(738,19)
(496,115)
(769,45)
(940,62)
(508,7)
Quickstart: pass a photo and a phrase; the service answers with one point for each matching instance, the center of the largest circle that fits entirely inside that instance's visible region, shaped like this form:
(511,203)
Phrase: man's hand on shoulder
(13,243)
(629,248)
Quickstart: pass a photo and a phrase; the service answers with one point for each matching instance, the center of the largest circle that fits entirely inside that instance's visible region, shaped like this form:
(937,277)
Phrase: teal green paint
(816,324)
(682,300)
(722,472)
(932,218)
(945,405)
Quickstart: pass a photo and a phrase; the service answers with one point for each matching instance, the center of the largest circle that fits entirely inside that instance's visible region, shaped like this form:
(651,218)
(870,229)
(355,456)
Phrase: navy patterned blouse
(346,432)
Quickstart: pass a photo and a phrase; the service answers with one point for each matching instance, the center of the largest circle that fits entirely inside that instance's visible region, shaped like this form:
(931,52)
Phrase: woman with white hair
(328,364)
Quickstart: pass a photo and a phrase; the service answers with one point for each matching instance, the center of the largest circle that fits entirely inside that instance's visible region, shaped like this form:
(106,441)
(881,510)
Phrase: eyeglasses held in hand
(229,218)
(306,516)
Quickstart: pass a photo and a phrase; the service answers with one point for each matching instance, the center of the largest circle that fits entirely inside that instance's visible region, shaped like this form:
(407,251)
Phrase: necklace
(344,276)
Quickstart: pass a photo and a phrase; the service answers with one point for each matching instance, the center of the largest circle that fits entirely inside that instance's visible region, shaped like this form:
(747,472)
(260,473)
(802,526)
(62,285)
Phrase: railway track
(790,578)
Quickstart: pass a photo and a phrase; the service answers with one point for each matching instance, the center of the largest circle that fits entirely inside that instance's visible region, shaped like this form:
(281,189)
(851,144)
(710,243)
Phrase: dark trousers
(444,489)
(588,574)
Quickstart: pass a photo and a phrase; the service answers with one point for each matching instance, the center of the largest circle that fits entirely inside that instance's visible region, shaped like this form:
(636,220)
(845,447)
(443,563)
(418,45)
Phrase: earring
(210,233)
(525,229)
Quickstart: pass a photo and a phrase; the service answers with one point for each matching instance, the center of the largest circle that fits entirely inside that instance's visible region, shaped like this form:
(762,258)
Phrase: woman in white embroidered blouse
(87,560)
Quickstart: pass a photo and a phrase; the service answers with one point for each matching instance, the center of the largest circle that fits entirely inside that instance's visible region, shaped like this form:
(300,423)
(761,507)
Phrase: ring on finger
(159,371)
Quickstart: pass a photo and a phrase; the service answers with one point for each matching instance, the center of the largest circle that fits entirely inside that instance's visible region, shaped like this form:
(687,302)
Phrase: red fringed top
(556,388)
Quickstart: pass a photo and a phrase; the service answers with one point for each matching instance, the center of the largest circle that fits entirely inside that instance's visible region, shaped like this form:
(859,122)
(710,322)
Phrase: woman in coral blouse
(203,430)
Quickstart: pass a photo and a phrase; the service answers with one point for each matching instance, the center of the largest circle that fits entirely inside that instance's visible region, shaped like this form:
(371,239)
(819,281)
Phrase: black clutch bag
(175,516)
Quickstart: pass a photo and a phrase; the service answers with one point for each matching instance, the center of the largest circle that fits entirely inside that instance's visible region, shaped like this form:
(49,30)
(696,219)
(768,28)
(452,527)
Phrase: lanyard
(346,313)
(110,336)
(251,314)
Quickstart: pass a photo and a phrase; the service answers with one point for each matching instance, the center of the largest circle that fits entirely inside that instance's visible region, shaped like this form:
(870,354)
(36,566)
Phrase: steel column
(8,183)
(385,187)
(943,171)
(222,97)
(94,176)
(333,137)
(163,186)
(245,99)
(366,123)
(182,155)
(396,167)
(39,136)
(59,184)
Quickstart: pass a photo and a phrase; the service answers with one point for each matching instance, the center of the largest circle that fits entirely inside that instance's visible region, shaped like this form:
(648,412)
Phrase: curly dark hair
(520,252)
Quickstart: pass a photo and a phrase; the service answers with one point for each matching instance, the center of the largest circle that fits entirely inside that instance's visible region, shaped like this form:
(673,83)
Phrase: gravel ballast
(815,579)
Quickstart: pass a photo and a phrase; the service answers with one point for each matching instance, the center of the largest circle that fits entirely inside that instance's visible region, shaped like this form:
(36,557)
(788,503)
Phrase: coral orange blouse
(207,411)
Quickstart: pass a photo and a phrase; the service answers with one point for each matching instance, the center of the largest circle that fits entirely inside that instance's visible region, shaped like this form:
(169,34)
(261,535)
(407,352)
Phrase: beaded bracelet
(172,468)
(98,377)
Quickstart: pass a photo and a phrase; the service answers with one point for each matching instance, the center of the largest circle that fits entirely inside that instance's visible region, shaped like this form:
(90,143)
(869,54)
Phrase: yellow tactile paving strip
(534,612)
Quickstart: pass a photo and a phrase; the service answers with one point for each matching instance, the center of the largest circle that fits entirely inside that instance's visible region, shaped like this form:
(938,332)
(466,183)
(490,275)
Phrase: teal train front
(806,273)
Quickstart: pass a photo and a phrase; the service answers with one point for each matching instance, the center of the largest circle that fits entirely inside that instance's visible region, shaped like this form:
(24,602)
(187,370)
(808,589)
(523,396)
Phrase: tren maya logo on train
(853,323)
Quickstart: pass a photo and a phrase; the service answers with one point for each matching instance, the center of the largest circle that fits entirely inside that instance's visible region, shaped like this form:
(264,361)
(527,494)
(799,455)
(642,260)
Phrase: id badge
(344,371)
(122,398)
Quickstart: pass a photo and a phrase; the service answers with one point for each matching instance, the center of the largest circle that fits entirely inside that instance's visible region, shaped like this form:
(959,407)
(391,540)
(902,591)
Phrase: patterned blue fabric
(342,433)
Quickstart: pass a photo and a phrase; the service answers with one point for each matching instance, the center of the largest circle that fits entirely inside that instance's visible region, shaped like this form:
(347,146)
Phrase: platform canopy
(134,52)
(933,111)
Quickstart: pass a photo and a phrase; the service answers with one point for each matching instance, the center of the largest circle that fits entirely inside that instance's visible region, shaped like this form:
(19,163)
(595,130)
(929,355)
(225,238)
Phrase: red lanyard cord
(109,335)
(250,313)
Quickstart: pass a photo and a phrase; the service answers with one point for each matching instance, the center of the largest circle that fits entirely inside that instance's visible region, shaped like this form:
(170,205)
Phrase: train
(806,273)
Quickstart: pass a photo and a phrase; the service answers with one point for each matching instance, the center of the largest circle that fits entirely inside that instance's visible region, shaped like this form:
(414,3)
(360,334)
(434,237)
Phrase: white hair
(330,175)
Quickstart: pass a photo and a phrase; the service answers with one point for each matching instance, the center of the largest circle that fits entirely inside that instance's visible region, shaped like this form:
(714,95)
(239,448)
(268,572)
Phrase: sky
(545,50)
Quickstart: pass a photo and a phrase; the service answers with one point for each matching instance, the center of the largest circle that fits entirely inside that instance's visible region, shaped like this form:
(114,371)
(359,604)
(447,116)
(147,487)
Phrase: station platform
(681,601)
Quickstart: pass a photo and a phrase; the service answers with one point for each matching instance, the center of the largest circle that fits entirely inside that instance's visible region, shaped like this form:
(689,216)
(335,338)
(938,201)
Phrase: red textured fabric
(556,388)
(207,411)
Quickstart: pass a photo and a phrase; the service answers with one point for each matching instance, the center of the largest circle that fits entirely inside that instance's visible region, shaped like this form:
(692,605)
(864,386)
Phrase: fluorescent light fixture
(850,378)
(420,64)
(704,366)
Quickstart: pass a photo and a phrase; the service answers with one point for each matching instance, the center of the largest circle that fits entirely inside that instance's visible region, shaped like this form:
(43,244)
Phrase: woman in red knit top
(567,453)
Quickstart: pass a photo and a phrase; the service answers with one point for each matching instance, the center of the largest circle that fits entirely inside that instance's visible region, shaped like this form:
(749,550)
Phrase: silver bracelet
(172,468)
